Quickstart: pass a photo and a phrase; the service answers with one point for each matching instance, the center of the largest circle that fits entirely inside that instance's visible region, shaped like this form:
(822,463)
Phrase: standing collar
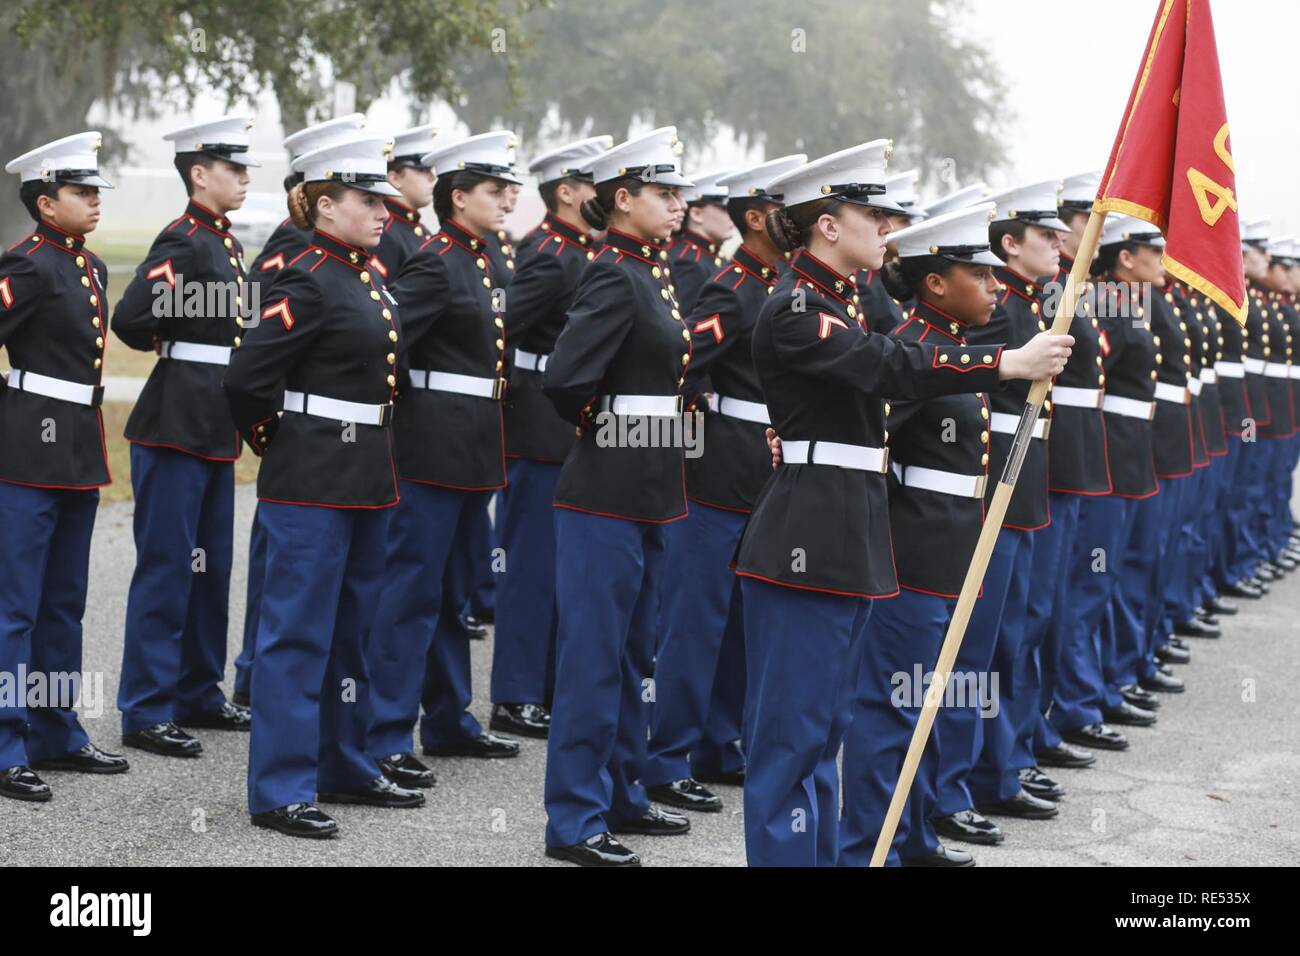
(462,236)
(558,227)
(197,212)
(52,234)
(401,211)
(645,250)
(354,256)
(940,320)
(695,239)
(746,258)
(1027,289)
(823,276)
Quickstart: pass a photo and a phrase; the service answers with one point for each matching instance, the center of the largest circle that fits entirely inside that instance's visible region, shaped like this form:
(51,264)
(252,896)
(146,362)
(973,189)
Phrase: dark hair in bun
(791,228)
(905,278)
(303,197)
(598,211)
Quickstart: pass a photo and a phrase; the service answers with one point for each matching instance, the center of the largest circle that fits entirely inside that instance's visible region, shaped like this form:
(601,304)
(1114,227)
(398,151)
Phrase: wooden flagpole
(984,548)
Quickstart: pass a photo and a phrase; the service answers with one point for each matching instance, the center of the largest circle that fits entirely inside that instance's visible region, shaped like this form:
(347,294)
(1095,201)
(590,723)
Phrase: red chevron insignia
(6,294)
(274,262)
(712,324)
(1104,342)
(378,266)
(281,309)
(828,322)
(164,271)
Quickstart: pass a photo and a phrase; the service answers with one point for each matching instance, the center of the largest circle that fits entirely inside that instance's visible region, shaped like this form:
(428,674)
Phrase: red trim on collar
(848,283)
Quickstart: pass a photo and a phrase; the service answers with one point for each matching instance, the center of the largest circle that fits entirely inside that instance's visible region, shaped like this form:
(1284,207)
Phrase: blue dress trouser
(523,642)
(1158,617)
(1033,678)
(992,777)
(253,602)
(311,695)
(703,603)
(1132,655)
(45,556)
(177,610)
(606,582)
(959,724)
(1250,546)
(901,644)
(802,650)
(1190,547)
(409,638)
(1215,573)
(1096,562)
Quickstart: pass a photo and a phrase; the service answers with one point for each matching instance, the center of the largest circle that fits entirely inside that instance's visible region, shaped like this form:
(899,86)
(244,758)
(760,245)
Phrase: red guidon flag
(1171,164)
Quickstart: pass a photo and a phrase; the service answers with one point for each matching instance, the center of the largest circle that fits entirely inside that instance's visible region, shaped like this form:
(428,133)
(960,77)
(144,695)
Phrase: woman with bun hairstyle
(328,339)
(617,372)
(450,459)
(938,471)
(817,549)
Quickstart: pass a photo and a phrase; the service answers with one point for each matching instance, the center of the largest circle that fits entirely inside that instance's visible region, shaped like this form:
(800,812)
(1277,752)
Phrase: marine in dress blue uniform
(976,772)
(450,458)
(817,550)
(696,251)
(311,391)
(183,449)
(1079,484)
(938,471)
(284,245)
(1085,703)
(405,232)
(52,326)
(699,668)
(616,371)
(537,442)
(884,312)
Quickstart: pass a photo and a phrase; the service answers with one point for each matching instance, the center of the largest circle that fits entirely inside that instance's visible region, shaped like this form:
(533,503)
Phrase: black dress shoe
(1178,642)
(488,746)
(165,739)
(1197,628)
(405,771)
(1266,573)
(1022,806)
(1099,736)
(1140,698)
(380,792)
(969,827)
(688,794)
(474,627)
(732,778)
(1243,589)
(1162,683)
(526,720)
(600,850)
(942,856)
(656,821)
(241,698)
(1220,607)
(89,759)
(1205,617)
(298,820)
(1258,583)
(1285,562)
(21,783)
(1128,715)
(1065,755)
(1172,655)
(1040,785)
(228,716)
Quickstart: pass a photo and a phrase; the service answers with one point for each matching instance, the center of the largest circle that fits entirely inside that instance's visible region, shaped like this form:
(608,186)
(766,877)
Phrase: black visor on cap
(230,153)
(81,177)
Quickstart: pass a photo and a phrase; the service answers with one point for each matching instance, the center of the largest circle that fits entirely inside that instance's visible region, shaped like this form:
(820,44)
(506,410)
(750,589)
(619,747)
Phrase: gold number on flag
(1205,189)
